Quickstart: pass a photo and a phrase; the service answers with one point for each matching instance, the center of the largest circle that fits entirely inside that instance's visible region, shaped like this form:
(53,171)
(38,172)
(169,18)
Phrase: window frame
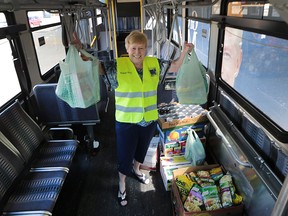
(262,26)
(51,71)
(11,32)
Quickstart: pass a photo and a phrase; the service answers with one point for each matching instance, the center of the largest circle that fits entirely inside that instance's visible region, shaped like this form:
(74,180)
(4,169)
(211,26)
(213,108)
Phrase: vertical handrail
(108,29)
(141,16)
(177,27)
(114,28)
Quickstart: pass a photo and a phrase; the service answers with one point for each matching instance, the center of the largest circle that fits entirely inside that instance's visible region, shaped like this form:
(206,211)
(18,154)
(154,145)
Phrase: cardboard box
(176,115)
(175,160)
(182,122)
(151,158)
(153,146)
(175,148)
(179,133)
(167,173)
(178,205)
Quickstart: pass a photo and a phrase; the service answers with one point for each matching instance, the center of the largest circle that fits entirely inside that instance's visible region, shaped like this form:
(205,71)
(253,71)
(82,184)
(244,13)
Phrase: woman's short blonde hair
(136,37)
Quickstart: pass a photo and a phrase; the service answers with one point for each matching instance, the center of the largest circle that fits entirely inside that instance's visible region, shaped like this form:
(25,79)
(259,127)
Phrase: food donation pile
(206,190)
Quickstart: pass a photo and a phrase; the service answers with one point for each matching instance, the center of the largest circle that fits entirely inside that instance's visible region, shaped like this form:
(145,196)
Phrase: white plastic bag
(194,150)
(191,83)
(78,83)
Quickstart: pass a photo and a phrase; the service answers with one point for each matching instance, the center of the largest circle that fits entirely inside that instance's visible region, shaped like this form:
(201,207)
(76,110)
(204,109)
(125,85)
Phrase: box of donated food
(179,133)
(176,115)
(175,148)
(205,190)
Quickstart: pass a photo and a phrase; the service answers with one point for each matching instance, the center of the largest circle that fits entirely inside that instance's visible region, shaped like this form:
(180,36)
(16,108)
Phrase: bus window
(9,84)
(199,34)
(40,18)
(255,9)
(47,40)
(177,33)
(255,65)
(3,22)
(49,47)
(99,17)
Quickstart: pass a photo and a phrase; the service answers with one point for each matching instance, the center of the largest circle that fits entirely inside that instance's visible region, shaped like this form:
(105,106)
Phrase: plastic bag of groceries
(78,83)
(191,83)
(194,150)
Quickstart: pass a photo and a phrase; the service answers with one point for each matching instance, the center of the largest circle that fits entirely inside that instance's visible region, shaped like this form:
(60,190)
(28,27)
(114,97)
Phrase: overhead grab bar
(229,147)
(192,3)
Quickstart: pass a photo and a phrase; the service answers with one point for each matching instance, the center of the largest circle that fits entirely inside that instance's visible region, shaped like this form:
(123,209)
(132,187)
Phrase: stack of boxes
(174,121)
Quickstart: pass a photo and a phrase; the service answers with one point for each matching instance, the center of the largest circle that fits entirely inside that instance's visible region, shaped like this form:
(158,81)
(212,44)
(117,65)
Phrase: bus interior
(243,46)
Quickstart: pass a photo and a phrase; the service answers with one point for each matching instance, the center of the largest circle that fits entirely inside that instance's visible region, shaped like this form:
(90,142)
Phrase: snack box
(178,205)
(175,148)
(179,133)
(164,124)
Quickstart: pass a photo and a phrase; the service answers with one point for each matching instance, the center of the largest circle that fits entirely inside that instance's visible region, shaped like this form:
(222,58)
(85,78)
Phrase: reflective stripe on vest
(136,99)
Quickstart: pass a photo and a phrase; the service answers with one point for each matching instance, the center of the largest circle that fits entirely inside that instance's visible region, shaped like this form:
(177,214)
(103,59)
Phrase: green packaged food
(211,198)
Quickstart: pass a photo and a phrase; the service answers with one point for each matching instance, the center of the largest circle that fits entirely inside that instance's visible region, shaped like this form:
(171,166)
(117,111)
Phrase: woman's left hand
(188,47)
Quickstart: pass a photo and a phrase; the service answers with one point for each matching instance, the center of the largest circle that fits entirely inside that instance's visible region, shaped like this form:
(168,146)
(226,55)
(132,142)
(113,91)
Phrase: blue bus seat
(53,111)
(23,192)
(27,137)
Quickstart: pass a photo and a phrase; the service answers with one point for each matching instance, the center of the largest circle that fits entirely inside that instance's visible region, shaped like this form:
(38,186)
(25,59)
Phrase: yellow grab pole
(109,25)
(114,28)
(141,16)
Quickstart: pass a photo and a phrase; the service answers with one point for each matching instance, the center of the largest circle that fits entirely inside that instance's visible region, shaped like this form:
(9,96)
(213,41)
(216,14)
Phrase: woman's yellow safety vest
(136,99)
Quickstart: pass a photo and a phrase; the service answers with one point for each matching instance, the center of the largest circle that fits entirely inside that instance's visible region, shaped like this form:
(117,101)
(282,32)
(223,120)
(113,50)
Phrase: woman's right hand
(188,47)
(76,41)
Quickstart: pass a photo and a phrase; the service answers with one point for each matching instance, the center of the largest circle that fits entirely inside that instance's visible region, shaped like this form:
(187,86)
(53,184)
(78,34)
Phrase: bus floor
(93,181)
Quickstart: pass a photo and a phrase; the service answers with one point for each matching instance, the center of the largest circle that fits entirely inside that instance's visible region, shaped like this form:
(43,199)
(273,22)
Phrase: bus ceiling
(14,5)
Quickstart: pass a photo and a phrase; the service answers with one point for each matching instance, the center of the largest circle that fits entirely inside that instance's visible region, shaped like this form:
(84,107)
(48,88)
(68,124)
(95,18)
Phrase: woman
(135,80)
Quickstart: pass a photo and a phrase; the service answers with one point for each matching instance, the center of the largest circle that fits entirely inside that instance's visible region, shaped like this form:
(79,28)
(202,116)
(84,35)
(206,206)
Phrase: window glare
(49,47)
(9,83)
(199,35)
(256,66)
(3,22)
(177,32)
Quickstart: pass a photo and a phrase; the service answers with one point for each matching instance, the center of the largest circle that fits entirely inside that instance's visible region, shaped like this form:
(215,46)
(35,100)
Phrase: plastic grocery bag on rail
(194,150)
(78,83)
(191,83)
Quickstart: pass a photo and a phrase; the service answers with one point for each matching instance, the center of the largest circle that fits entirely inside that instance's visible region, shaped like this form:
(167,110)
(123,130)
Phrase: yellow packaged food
(184,185)
(216,173)
(237,199)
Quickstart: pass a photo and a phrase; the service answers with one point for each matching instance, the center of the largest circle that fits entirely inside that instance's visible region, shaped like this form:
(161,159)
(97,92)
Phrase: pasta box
(177,203)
